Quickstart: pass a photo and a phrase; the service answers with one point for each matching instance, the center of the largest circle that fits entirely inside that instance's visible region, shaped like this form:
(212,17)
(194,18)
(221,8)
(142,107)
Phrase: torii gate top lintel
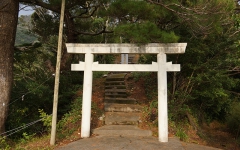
(151,48)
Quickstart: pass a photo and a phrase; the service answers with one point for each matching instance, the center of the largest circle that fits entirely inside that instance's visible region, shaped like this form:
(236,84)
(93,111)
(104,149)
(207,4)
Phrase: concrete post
(162,98)
(87,96)
(124,58)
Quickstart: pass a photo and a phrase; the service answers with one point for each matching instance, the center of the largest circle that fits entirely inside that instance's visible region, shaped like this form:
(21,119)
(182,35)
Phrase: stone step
(119,76)
(126,72)
(115,87)
(113,107)
(115,91)
(114,83)
(130,60)
(115,79)
(121,130)
(115,95)
(122,118)
(120,100)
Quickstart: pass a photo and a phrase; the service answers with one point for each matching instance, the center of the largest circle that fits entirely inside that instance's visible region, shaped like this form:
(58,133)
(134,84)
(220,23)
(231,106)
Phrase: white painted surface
(124,58)
(152,48)
(162,99)
(87,96)
(126,67)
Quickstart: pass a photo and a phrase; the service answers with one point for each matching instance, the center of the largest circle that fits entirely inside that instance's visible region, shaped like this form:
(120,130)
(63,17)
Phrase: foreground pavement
(130,143)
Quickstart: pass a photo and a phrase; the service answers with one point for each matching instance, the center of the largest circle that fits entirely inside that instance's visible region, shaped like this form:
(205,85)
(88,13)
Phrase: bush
(46,119)
(233,119)
(181,134)
(4,144)
(151,113)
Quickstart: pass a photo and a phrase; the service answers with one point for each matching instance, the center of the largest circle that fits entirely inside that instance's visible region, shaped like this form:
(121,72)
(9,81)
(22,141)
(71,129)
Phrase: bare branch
(94,34)
(86,16)
(234,93)
(43,4)
(236,32)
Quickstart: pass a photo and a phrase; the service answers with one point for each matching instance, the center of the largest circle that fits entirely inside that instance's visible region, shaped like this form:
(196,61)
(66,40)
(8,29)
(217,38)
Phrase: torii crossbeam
(161,67)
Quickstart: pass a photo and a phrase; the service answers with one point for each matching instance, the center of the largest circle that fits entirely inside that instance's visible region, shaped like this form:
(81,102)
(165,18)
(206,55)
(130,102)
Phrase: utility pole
(57,74)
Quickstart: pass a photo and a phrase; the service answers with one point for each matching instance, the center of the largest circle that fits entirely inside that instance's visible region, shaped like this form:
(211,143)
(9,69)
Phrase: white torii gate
(161,66)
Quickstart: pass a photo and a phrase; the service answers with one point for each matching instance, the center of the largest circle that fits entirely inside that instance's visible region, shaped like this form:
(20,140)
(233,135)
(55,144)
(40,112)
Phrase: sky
(25,11)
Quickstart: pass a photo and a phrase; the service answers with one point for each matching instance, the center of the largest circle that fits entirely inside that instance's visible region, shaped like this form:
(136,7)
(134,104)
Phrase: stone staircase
(122,114)
(117,105)
(130,58)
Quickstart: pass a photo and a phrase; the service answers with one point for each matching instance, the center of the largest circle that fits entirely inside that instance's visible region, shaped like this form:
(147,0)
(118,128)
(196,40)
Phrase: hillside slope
(23,34)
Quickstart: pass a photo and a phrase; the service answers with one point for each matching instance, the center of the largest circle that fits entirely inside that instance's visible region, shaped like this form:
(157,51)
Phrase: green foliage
(147,59)
(151,113)
(71,121)
(233,119)
(150,86)
(96,113)
(132,10)
(98,74)
(24,36)
(145,32)
(46,119)
(4,145)
(105,59)
(138,75)
(177,114)
(44,24)
(33,87)
(181,134)
(26,137)
(204,82)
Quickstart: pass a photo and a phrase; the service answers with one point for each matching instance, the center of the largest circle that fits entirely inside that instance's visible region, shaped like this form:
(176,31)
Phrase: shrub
(4,144)
(181,134)
(233,119)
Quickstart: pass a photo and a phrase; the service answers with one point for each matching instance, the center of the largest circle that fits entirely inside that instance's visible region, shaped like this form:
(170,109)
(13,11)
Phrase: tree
(8,24)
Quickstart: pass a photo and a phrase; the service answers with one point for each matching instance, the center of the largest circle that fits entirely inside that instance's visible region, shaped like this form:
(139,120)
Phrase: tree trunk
(8,25)
(71,38)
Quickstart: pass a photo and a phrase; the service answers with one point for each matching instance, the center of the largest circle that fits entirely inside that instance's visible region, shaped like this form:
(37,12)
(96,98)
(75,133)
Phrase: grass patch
(181,134)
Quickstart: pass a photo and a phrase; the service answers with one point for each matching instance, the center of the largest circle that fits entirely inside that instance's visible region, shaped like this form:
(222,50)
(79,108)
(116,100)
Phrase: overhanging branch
(42,4)
(94,34)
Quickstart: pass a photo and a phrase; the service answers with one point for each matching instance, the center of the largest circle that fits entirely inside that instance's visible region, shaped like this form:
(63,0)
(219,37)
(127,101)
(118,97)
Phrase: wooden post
(56,86)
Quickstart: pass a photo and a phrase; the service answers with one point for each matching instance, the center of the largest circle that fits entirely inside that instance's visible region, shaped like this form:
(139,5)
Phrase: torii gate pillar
(161,67)
(162,98)
(87,96)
